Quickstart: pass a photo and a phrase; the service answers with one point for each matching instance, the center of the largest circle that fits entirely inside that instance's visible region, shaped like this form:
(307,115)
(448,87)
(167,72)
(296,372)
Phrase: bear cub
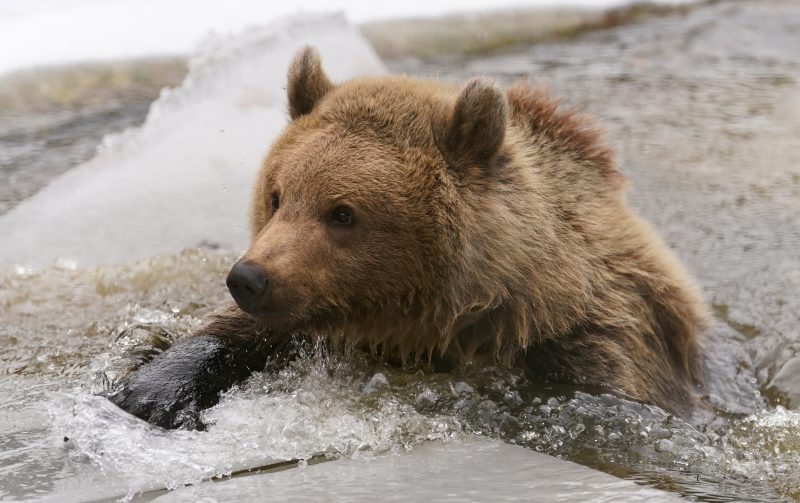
(428,221)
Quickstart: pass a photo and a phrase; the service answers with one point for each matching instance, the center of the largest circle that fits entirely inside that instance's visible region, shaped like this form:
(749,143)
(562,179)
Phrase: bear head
(393,211)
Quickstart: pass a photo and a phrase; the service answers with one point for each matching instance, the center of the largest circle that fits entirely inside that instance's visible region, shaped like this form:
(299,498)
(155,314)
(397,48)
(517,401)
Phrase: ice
(473,469)
(184,177)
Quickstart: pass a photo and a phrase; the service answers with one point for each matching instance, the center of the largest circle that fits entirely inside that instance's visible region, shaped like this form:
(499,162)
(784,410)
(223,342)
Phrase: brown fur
(485,221)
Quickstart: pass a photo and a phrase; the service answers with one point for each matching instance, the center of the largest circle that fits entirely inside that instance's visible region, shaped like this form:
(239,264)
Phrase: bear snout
(249,284)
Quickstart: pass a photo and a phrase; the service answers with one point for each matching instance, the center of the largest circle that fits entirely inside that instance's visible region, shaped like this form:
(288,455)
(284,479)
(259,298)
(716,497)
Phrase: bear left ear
(476,127)
(307,82)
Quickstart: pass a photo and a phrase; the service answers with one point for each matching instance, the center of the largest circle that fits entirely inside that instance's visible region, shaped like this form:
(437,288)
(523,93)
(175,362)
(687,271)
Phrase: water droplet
(665,445)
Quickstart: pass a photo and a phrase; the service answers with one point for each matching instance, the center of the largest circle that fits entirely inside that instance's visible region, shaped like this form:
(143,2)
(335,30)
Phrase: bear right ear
(307,83)
(476,127)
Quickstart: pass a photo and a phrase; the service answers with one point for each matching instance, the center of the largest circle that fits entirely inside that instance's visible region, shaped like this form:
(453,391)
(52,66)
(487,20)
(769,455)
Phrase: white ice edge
(184,177)
(472,469)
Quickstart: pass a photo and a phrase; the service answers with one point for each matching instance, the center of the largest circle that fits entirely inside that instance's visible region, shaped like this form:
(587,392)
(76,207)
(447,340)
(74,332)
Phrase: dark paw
(174,387)
(157,404)
(171,387)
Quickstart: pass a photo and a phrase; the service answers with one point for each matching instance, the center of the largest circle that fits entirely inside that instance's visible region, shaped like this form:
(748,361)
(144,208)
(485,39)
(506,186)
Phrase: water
(702,111)
(52,120)
(60,438)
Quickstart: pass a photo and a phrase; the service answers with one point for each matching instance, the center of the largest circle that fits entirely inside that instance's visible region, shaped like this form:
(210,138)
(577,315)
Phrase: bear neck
(524,275)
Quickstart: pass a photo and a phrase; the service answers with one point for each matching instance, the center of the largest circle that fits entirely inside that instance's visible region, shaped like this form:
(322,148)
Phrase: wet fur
(496,224)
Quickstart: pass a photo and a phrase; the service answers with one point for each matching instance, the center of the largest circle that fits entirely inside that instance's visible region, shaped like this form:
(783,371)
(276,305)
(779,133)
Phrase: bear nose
(247,283)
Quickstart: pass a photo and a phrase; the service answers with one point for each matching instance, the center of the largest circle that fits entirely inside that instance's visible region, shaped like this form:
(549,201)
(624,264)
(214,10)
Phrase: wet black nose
(248,284)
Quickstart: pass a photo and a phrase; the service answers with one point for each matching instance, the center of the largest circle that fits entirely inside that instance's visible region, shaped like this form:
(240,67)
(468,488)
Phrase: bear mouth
(319,319)
(273,319)
(284,320)
(267,309)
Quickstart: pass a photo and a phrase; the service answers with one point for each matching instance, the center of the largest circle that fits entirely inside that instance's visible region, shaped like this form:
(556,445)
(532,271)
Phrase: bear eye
(276,202)
(343,216)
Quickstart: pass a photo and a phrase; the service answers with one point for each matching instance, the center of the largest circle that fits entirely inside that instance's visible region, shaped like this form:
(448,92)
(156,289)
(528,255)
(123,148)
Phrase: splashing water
(353,406)
(316,407)
(331,405)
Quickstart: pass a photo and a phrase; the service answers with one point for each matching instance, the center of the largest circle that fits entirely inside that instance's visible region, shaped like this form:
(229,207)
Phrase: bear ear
(307,82)
(476,127)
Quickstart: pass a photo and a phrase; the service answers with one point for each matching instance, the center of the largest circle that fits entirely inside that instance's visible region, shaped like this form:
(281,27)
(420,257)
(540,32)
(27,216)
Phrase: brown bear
(430,221)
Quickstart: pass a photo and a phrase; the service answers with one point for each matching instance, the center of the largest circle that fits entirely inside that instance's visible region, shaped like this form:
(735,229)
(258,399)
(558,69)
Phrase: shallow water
(704,123)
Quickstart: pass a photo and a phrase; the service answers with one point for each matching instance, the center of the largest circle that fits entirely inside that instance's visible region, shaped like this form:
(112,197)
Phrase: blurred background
(52,32)
(130,133)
